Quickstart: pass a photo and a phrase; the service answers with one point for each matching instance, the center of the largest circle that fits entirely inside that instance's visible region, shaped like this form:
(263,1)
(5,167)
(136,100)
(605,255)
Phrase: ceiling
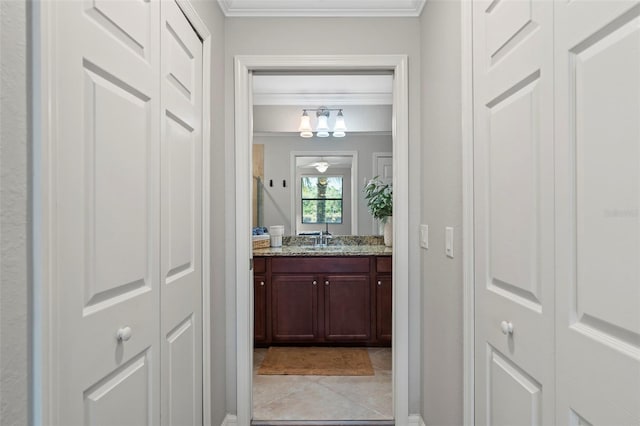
(315,90)
(329,8)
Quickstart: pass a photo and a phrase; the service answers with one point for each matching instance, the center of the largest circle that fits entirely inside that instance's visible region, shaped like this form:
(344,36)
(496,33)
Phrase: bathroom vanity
(323,296)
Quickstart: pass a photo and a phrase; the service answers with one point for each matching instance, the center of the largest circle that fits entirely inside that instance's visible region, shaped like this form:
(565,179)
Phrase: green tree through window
(321,199)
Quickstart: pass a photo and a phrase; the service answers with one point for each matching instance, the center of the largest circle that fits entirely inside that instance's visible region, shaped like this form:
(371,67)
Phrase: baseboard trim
(230,420)
(415,420)
(322,423)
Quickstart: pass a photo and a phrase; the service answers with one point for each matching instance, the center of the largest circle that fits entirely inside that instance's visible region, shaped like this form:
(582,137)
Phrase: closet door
(181,217)
(598,224)
(513,206)
(104,159)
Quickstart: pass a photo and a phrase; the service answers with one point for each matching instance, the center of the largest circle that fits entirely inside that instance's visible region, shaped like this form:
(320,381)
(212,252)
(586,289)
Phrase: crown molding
(314,99)
(326,8)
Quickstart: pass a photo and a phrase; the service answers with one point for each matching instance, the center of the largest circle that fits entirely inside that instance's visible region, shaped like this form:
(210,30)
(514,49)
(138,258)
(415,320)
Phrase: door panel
(105,181)
(598,241)
(294,307)
(347,307)
(384,307)
(513,207)
(181,219)
(111,398)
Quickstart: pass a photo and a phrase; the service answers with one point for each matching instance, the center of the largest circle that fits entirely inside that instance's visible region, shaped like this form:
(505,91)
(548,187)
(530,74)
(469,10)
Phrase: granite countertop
(342,245)
(331,250)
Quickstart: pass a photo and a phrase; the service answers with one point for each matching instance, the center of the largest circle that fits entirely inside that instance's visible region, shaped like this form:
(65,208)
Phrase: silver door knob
(326,283)
(124,334)
(315,283)
(506,327)
(379,283)
(261,282)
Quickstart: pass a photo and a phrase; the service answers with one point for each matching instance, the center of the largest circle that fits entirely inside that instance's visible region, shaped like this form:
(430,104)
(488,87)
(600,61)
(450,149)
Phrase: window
(321,199)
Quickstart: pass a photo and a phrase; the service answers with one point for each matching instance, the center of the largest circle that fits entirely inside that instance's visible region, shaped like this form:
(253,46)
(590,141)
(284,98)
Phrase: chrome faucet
(323,239)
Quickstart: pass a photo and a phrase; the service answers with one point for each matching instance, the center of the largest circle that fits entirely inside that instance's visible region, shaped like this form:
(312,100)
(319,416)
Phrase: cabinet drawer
(319,265)
(383,264)
(259,264)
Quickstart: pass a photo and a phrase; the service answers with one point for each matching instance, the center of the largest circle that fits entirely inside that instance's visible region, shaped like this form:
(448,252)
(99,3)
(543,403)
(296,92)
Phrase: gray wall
(441,206)
(214,19)
(277,159)
(357,36)
(14,216)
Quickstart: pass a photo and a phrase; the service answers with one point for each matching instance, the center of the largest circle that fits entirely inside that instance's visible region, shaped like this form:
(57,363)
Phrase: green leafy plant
(379,196)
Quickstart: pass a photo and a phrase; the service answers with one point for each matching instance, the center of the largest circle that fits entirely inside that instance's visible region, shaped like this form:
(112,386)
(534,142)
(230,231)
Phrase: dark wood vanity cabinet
(347,308)
(322,300)
(294,308)
(260,317)
(384,299)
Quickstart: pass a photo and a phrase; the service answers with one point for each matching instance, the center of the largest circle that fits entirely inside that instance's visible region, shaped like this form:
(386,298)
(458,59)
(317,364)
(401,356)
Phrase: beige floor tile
(325,397)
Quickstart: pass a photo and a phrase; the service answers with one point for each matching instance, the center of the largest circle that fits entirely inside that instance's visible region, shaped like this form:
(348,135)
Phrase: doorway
(244,68)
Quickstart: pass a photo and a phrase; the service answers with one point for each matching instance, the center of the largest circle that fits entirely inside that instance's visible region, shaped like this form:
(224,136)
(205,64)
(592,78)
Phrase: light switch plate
(448,249)
(424,236)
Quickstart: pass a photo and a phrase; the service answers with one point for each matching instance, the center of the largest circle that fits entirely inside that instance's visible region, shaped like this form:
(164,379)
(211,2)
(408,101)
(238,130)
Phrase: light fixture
(322,129)
(305,125)
(321,166)
(340,128)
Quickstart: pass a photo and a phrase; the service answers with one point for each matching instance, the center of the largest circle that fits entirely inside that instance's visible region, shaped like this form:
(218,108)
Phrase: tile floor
(325,397)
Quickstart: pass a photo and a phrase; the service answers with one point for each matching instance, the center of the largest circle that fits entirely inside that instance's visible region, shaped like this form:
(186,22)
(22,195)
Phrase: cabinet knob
(507,327)
(326,283)
(379,283)
(315,283)
(261,282)
(123,334)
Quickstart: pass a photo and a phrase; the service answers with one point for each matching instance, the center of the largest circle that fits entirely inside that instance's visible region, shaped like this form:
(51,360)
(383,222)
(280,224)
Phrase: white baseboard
(230,420)
(415,420)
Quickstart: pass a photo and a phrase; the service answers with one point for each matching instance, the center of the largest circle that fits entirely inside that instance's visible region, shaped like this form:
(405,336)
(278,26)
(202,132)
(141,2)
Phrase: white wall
(441,206)
(277,159)
(214,19)
(14,214)
(357,36)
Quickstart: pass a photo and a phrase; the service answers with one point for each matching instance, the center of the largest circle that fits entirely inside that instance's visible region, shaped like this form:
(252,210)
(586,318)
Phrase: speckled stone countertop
(338,246)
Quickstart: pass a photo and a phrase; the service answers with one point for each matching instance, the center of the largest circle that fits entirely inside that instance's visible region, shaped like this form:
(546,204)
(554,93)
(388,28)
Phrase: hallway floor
(325,397)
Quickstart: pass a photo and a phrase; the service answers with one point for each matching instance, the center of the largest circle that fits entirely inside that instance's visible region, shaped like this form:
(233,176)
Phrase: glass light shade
(322,166)
(340,127)
(322,131)
(305,126)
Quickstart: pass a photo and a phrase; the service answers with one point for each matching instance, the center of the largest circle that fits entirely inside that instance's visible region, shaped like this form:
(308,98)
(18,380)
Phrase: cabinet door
(294,308)
(384,299)
(347,307)
(259,309)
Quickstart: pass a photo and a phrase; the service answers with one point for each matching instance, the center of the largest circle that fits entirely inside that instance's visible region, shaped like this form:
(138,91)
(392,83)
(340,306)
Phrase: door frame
(468,271)
(43,324)
(244,66)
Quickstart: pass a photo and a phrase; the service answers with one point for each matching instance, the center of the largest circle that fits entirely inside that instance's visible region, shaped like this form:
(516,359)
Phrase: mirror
(313,184)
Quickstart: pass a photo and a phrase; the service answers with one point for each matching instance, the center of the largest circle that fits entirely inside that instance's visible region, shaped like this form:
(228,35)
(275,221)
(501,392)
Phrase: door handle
(123,334)
(326,283)
(506,327)
(315,283)
(261,282)
(379,283)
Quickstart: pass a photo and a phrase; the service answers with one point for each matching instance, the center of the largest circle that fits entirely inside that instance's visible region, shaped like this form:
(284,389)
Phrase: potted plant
(379,196)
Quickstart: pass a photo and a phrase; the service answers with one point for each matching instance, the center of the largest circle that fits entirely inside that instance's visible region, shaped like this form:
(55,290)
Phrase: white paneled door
(598,204)
(514,216)
(181,229)
(126,196)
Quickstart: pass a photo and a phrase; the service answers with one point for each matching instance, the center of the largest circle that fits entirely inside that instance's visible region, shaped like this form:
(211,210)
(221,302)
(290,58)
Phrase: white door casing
(513,207)
(106,214)
(102,205)
(244,66)
(181,219)
(597,70)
